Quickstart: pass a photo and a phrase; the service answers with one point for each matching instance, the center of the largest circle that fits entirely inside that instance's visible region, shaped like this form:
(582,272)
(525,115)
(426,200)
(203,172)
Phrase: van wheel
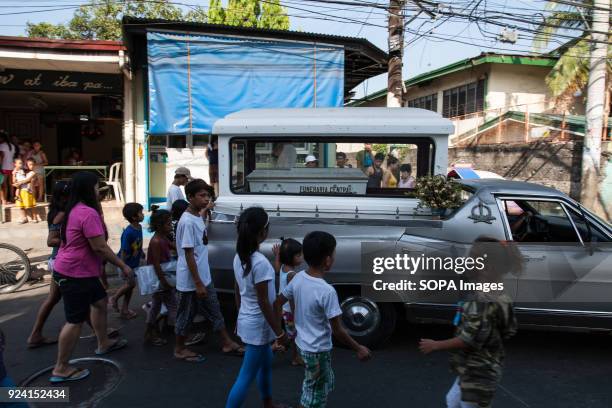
(368,322)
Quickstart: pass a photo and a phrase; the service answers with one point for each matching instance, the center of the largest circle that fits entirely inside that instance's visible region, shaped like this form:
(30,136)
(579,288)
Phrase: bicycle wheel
(14,268)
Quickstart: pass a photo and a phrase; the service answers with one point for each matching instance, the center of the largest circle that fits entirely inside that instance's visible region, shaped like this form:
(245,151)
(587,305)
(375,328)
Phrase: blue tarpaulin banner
(196,79)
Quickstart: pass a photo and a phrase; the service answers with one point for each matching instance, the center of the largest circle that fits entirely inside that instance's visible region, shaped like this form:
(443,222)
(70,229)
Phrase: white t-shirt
(252,325)
(287,158)
(409,183)
(316,302)
(174,194)
(282,284)
(9,153)
(190,234)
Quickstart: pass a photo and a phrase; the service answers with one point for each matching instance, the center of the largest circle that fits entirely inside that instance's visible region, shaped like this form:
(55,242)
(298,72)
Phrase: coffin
(330,181)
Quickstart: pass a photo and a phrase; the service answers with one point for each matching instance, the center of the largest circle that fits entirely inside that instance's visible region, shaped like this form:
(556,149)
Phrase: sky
(432,43)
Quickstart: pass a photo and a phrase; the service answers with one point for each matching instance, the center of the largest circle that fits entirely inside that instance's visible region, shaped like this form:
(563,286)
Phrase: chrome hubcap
(360,316)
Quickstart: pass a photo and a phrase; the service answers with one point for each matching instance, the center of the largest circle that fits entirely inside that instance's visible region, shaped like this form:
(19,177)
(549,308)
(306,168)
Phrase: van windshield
(330,166)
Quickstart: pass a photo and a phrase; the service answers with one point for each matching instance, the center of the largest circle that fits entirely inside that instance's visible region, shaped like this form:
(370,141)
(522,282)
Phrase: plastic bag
(147,278)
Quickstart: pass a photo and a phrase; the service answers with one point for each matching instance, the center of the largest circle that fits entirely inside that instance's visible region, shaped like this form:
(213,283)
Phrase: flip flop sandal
(129,315)
(82,374)
(118,345)
(113,332)
(198,358)
(196,339)
(42,343)
(110,332)
(236,352)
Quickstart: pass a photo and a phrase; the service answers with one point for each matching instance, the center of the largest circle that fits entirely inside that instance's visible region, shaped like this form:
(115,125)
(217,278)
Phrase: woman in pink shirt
(77,270)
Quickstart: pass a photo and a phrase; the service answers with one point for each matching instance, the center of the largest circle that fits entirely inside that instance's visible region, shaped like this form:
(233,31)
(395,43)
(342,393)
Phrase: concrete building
(482,90)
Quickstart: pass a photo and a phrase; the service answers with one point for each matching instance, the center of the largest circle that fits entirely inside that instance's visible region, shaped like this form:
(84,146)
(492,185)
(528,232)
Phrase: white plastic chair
(114,181)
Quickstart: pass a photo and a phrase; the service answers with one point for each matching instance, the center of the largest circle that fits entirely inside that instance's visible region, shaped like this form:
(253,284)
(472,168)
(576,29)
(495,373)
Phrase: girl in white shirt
(288,257)
(255,294)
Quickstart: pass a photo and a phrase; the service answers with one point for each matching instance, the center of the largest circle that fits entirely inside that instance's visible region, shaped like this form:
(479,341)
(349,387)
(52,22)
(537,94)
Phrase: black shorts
(79,294)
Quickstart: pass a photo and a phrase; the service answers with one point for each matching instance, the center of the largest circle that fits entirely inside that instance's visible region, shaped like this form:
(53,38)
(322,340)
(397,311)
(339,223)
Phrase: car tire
(368,322)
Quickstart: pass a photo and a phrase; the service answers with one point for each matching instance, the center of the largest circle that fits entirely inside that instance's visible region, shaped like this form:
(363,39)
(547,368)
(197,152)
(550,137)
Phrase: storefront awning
(196,79)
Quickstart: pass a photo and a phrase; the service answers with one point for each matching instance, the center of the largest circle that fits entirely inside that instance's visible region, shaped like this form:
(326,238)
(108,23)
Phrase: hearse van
(262,162)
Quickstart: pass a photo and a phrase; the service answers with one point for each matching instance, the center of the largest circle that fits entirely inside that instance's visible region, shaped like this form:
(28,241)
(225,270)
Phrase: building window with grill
(429,102)
(464,99)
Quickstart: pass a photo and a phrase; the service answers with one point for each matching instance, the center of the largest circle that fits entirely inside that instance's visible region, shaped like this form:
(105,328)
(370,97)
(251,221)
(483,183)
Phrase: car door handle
(534,258)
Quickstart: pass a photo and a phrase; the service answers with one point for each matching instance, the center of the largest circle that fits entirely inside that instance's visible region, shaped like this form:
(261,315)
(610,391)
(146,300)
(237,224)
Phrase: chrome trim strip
(567,214)
(580,312)
(505,221)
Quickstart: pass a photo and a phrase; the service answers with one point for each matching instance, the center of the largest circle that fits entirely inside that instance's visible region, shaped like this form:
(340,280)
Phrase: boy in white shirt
(195,290)
(317,316)
(182,176)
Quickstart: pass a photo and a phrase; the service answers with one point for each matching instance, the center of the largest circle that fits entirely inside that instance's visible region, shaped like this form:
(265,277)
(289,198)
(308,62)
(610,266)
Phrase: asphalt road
(543,369)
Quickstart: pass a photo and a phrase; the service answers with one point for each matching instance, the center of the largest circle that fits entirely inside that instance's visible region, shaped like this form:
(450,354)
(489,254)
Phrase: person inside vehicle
(521,228)
(406,180)
(284,154)
(342,161)
(389,180)
(311,162)
(375,172)
(365,157)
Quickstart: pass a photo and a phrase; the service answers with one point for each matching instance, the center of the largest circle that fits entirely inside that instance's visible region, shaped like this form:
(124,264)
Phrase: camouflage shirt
(483,326)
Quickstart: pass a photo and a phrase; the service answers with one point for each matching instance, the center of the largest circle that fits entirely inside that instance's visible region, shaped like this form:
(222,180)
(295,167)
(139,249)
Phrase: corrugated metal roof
(132,23)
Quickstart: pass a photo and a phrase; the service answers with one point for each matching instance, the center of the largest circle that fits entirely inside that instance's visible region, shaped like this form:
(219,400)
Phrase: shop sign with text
(60,81)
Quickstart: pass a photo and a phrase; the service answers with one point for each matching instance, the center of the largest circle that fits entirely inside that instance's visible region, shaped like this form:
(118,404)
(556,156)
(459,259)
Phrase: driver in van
(285,155)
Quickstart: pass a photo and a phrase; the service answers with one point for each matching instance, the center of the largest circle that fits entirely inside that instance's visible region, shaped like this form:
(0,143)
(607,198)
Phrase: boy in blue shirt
(131,253)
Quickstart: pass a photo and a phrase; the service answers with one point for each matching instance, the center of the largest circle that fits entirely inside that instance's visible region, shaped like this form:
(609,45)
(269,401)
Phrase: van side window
(238,166)
(329,166)
(539,221)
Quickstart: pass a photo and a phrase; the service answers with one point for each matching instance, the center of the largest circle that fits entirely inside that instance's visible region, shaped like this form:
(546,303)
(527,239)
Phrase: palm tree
(571,72)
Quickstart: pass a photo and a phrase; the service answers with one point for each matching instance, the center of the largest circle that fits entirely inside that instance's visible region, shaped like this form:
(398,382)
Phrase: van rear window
(342,166)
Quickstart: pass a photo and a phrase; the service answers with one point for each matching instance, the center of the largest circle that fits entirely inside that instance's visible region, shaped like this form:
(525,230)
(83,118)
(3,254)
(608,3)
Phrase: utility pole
(396,52)
(591,154)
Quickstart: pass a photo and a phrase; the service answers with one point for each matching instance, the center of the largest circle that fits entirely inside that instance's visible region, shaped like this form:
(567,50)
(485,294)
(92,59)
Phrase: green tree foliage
(244,13)
(249,13)
(49,30)
(273,15)
(216,12)
(571,72)
(101,19)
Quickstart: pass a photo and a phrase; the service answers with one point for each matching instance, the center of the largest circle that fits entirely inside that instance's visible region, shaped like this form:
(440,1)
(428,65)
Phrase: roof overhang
(61,55)
(362,59)
(333,122)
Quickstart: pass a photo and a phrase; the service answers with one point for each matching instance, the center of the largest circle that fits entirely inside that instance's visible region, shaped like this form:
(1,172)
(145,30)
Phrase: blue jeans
(257,363)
